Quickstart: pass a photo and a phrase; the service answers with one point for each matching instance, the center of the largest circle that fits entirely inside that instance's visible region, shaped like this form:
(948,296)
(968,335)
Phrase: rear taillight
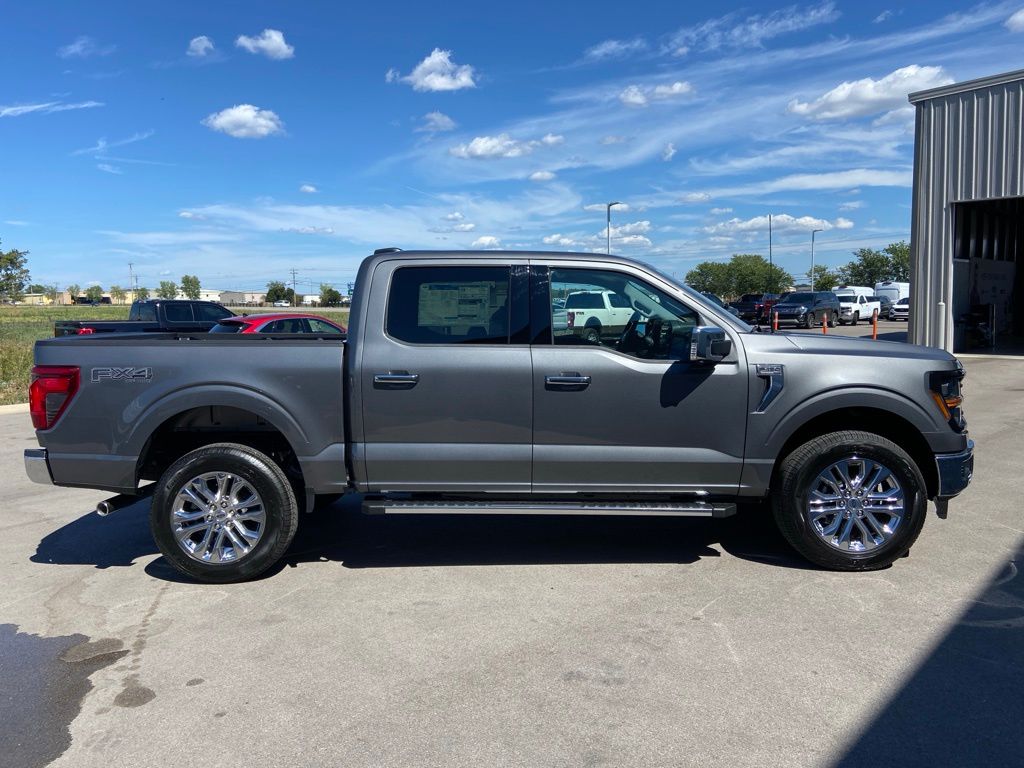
(50,392)
(85,331)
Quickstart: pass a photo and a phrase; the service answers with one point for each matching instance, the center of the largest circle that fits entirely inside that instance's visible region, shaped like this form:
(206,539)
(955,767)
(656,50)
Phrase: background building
(967,228)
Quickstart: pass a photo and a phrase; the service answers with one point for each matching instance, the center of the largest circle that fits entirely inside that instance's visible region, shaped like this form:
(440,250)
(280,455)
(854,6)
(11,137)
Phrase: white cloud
(730,32)
(883,16)
(620,208)
(642,95)
(634,228)
(308,189)
(437,72)
(270,43)
(102,145)
(542,176)
(868,96)
(454,216)
(487,241)
(16,223)
(84,47)
(46,108)
(851,205)
(720,211)
(695,197)
(435,122)
(190,215)
(502,145)
(244,121)
(668,152)
(559,239)
(615,49)
(199,47)
(464,227)
(310,230)
(782,222)
(108,168)
(607,140)
(1016,22)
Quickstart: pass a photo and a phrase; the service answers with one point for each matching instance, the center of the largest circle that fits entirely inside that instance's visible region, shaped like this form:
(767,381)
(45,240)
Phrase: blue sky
(239,140)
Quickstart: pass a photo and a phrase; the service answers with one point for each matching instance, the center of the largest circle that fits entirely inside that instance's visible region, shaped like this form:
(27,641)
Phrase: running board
(665,509)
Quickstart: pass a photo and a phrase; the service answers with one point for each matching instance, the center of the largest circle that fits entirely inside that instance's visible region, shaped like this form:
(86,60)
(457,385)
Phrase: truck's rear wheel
(224,512)
(850,501)
(592,335)
(856,318)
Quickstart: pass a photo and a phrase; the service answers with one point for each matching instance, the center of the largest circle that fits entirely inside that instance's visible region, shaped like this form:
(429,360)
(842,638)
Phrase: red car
(278,322)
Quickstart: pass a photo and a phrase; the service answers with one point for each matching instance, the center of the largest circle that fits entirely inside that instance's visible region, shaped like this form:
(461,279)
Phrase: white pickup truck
(856,307)
(592,315)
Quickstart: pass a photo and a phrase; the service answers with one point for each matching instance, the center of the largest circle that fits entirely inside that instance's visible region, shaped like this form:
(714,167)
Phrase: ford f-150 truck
(152,316)
(453,394)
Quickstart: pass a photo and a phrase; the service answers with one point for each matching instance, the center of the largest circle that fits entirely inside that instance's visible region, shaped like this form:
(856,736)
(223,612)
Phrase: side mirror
(709,344)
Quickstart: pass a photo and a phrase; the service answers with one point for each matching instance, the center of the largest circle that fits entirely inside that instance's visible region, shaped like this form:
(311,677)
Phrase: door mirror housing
(709,344)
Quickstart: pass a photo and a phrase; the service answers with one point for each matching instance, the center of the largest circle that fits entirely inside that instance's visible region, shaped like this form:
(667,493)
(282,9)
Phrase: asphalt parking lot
(501,641)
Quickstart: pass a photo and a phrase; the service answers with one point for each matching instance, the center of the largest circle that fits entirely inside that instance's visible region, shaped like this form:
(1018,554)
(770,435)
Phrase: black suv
(807,308)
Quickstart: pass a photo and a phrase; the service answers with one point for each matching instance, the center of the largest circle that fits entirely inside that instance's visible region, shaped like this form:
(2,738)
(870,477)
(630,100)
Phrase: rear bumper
(955,471)
(37,466)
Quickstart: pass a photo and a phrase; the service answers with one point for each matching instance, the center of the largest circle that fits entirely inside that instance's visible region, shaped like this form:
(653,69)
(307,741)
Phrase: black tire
(831,321)
(592,335)
(799,469)
(856,318)
(263,475)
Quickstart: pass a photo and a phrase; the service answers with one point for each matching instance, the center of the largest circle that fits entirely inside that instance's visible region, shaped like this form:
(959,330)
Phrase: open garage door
(988,276)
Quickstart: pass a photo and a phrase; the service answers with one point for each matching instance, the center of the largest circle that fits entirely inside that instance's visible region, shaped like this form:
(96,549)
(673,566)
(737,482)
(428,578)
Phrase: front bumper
(37,466)
(955,471)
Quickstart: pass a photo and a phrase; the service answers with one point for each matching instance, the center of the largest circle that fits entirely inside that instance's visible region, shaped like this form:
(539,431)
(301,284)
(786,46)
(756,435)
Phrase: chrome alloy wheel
(217,517)
(855,505)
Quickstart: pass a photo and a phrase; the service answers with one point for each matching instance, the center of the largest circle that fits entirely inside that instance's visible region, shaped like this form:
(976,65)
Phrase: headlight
(945,389)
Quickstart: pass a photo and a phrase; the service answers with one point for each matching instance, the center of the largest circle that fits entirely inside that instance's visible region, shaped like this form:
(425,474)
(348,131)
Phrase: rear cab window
(178,313)
(449,305)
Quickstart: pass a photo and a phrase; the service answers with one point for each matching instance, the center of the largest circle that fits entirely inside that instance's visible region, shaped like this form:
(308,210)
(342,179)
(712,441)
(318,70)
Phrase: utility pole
(293,287)
(813,233)
(131,279)
(608,230)
(770,262)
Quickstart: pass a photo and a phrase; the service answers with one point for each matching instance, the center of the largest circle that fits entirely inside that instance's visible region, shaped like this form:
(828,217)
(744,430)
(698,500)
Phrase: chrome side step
(666,509)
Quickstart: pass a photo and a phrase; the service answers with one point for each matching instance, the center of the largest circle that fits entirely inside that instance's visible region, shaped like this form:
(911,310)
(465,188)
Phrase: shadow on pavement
(341,533)
(965,703)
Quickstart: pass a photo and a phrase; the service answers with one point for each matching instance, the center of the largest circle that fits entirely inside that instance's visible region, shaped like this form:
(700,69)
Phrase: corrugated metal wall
(969,145)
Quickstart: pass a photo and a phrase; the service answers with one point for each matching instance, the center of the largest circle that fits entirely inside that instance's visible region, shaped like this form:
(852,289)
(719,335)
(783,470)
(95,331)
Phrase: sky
(240,140)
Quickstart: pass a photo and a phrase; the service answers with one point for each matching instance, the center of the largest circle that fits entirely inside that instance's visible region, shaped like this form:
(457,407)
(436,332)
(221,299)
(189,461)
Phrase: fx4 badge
(122,374)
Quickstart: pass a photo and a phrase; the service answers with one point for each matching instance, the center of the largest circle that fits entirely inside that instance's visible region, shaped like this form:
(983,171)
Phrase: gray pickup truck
(456,393)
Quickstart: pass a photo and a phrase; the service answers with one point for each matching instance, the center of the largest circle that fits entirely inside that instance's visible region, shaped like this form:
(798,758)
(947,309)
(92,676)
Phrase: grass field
(21,327)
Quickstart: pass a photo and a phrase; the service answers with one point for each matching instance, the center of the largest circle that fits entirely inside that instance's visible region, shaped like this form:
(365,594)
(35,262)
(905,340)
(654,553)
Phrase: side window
(145,312)
(211,312)
(277,326)
(643,321)
(449,305)
(319,326)
(178,313)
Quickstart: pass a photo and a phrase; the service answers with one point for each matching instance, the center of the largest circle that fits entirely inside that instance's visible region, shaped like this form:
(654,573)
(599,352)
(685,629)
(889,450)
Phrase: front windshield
(703,301)
(798,298)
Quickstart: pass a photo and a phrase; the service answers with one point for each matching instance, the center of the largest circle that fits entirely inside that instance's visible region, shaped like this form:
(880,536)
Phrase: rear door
(445,378)
(634,413)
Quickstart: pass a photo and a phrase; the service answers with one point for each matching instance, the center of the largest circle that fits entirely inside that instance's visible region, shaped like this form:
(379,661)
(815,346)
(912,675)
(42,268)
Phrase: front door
(633,413)
(447,402)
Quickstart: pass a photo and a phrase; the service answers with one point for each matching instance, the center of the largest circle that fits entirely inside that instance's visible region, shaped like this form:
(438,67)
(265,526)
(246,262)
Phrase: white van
(892,290)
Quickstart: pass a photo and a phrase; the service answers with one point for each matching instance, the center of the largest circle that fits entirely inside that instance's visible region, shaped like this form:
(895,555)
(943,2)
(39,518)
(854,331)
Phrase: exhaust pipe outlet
(114,503)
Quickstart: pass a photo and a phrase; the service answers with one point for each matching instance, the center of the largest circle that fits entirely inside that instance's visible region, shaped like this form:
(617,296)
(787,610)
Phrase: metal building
(967,227)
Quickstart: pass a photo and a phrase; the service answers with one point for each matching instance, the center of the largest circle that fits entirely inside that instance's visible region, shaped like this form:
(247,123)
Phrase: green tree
(13,274)
(117,294)
(190,286)
(36,288)
(825,279)
(278,291)
(168,289)
(867,268)
(711,277)
(73,291)
(52,292)
(141,294)
(899,261)
(751,273)
(94,293)
(329,296)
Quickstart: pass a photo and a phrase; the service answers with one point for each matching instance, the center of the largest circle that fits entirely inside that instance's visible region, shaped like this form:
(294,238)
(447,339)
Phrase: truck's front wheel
(224,512)
(850,501)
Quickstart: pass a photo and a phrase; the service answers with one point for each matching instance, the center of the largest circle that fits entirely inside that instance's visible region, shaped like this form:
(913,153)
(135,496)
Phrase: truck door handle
(567,382)
(395,380)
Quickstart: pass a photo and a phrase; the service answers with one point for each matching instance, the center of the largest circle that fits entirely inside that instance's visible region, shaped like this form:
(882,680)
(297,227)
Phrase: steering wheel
(627,341)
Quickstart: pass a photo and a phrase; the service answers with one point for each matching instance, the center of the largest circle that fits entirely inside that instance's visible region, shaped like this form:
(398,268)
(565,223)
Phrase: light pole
(813,233)
(608,230)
